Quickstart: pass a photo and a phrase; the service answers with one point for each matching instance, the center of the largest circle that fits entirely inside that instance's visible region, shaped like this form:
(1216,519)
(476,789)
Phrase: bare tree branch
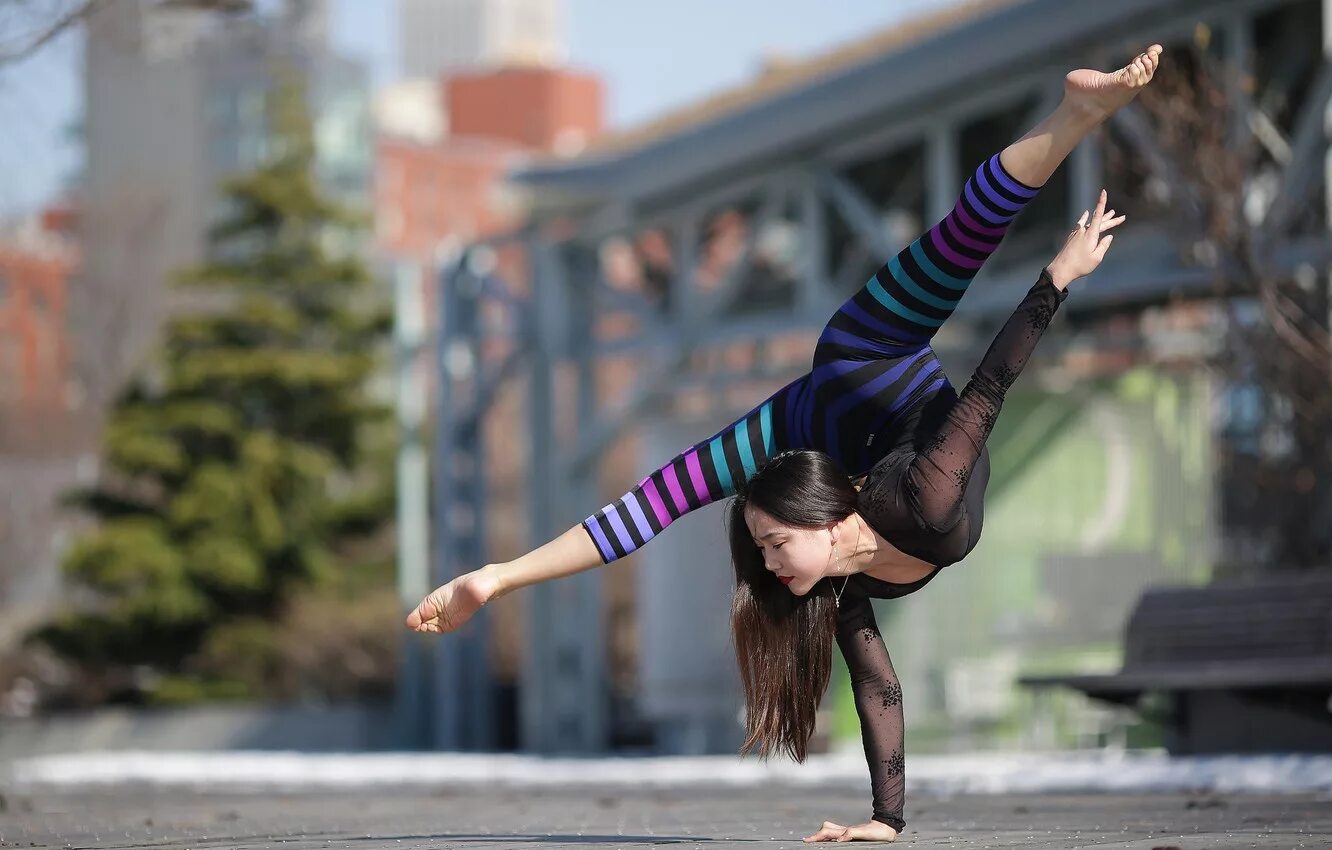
(1233,203)
(75,14)
(49,32)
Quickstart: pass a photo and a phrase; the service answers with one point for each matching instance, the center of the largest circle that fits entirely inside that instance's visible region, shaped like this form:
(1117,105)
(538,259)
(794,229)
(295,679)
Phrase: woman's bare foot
(1100,94)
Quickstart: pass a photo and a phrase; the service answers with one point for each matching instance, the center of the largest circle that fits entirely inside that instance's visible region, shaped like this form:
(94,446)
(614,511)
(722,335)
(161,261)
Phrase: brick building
(444,147)
(42,431)
(36,259)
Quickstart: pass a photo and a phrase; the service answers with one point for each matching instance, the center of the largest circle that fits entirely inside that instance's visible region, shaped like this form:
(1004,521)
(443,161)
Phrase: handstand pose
(876,404)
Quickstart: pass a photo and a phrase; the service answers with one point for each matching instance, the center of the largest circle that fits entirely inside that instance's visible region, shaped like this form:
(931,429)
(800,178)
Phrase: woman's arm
(451,605)
(878,696)
(704,473)
(936,480)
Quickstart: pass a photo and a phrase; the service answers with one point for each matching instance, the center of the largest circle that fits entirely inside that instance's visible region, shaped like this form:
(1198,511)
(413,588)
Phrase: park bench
(1246,665)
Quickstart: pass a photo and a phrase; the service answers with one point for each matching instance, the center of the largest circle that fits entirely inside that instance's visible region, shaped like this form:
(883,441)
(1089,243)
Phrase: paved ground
(715,819)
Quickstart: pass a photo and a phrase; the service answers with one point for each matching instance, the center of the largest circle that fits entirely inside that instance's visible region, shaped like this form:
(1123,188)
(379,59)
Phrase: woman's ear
(838,529)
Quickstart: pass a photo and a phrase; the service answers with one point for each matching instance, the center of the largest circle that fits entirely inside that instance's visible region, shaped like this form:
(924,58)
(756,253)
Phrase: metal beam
(680,337)
(857,211)
(1308,142)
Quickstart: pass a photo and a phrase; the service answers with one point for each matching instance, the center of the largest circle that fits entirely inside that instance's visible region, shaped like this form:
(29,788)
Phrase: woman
(810,549)
(876,402)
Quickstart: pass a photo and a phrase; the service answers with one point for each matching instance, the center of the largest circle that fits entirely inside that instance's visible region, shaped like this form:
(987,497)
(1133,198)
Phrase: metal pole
(413,482)
(475,687)
(544,327)
(443,734)
(564,684)
(942,170)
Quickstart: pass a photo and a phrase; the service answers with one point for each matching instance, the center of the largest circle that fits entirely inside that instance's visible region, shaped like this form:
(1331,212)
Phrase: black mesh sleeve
(878,697)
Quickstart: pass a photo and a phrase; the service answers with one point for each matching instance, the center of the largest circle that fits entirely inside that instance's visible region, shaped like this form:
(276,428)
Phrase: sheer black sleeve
(935,481)
(878,697)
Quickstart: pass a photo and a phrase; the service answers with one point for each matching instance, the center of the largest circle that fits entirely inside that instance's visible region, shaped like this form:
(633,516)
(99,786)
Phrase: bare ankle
(1081,112)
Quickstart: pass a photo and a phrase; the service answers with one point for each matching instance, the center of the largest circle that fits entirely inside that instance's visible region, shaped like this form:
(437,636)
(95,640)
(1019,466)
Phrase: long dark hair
(783,642)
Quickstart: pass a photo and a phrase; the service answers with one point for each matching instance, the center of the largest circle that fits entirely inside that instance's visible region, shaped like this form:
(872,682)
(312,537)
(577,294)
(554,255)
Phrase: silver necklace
(837,594)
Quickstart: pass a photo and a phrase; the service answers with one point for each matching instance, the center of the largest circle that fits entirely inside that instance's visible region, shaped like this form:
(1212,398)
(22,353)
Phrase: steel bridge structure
(828,174)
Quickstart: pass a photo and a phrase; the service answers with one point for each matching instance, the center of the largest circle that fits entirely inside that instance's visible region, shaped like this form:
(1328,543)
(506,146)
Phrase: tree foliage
(239,472)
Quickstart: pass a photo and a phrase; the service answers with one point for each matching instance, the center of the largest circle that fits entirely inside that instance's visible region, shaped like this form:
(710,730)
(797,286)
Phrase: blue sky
(653,56)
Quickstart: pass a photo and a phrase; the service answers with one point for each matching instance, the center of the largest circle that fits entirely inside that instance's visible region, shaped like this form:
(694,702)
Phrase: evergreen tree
(237,479)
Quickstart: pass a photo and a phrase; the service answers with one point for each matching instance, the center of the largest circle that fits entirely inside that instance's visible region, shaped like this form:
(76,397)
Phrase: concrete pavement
(716,818)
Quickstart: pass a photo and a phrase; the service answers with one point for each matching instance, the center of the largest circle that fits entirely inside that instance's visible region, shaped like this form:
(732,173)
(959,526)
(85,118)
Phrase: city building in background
(477,105)
(445,146)
(176,102)
(37,257)
(439,37)
(40,426)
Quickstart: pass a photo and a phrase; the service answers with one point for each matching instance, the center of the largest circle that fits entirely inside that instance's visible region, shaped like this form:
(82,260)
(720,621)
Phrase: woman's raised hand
(1086,245)
(446,608)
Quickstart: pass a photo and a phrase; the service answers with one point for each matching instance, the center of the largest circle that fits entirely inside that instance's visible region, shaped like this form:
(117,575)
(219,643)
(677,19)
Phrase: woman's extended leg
(901,308)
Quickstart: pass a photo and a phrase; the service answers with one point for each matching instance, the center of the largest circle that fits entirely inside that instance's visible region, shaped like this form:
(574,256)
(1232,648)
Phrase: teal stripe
(765,424)
(899,274)
(746,451)
(886,299)
(719,462)
(933,271)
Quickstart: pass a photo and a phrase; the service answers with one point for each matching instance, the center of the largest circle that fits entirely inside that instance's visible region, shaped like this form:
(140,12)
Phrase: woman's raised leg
(901,308)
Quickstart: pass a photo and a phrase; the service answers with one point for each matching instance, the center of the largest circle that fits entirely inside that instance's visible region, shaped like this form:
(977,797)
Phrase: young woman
(876,404)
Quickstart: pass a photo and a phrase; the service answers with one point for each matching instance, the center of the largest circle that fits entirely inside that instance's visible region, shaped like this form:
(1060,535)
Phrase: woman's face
(796,556)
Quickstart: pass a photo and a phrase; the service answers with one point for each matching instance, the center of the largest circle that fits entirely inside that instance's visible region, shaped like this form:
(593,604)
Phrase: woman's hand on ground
(450,606)
(1086,245)
(869,831)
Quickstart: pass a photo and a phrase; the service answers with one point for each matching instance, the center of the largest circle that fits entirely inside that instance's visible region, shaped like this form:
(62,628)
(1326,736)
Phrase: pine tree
(237,478)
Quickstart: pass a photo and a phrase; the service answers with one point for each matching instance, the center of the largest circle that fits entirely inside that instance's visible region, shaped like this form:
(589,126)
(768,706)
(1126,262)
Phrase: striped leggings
(873,364)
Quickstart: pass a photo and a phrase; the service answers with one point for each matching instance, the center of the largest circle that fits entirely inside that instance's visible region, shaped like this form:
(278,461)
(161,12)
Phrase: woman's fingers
(427,615)
(1113,222)
(829,832)
(1099,214)
(1103,247)
(421,615)
(1082,219)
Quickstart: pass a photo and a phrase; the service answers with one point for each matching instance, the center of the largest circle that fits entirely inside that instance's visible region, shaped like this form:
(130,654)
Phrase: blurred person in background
(861,479)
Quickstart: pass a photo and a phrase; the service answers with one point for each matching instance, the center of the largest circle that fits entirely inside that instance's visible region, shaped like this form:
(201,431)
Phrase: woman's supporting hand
(1085,247)
(868,831)
(449,606)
